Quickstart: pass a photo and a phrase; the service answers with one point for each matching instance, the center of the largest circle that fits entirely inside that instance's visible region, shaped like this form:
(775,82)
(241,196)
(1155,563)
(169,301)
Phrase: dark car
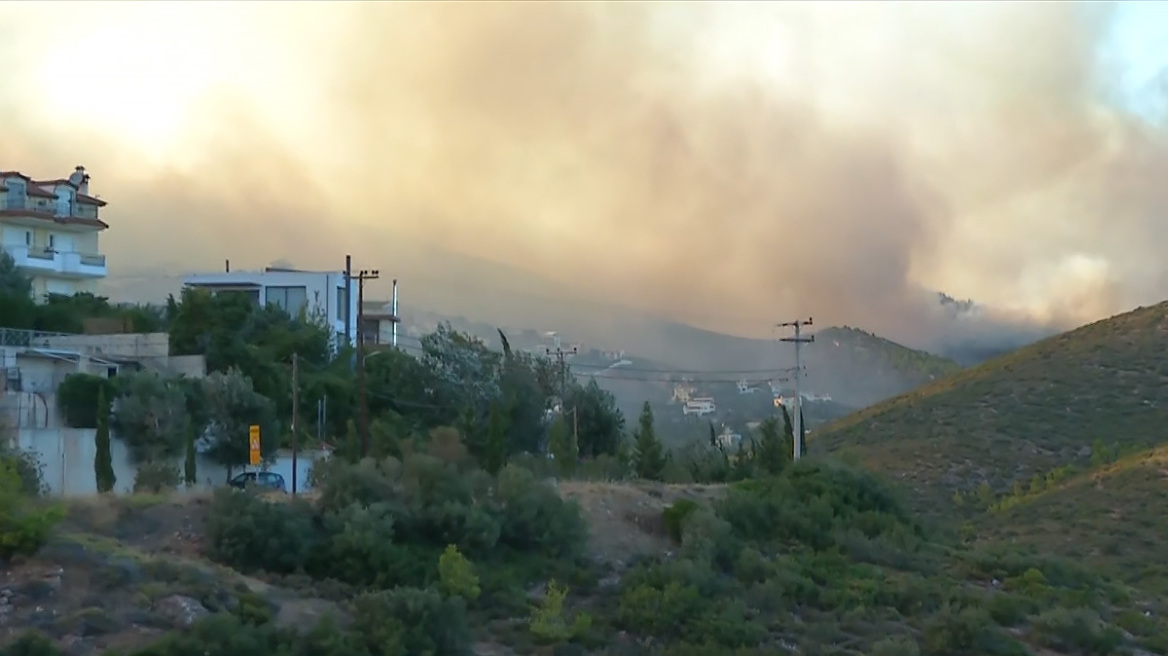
(263,480)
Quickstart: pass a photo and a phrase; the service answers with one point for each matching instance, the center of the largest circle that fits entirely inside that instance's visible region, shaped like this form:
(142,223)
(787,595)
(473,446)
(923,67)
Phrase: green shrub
(896,646)
(408,621)
(674,515)
(31,643)
(550,622)
(155,476)
(535,518)
(250,534)
(77,398)
(24,527)
(1079,631)
(956,631)
(456,575)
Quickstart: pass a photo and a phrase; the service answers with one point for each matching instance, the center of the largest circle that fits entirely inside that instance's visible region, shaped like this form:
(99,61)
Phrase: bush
(535,518)
(77,398)
(24,528)
(156,476)
(549,621)
(31,643)
(896,646)
(456,575)
(1079,631)
(674,515)
(408,621)
(250,534)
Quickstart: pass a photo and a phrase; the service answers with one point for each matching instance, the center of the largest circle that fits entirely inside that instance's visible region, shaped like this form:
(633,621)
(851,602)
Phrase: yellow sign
(254,444)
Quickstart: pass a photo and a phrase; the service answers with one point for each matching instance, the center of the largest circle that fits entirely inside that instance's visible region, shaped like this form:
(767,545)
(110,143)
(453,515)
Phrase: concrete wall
(136,345)
(190,366)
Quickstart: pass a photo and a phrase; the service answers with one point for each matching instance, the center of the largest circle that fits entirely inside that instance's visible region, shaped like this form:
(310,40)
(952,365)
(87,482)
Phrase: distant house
(744,387)
(316,293)
(681,393)
(728,439)
(699,406)
(377,322)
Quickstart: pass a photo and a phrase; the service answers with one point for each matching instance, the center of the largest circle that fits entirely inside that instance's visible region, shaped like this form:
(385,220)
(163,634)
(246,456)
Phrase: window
(28,238)
(52,242)
(342,304)
(16,193)
(292,300)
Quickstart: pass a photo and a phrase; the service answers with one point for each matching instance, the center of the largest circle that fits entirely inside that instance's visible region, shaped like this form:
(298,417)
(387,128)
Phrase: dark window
(292,300)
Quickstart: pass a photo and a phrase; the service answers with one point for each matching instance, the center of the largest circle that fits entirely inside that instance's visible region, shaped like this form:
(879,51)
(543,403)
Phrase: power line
(798,340)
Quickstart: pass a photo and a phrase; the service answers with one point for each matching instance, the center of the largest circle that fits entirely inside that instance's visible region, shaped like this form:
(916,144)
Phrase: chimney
(77,178)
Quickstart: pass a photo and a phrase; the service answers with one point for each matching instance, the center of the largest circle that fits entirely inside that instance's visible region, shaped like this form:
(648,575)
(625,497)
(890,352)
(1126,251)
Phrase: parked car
(264,480)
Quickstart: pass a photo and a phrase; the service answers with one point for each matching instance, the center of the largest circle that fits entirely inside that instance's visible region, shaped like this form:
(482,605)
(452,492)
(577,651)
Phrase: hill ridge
(1025,412)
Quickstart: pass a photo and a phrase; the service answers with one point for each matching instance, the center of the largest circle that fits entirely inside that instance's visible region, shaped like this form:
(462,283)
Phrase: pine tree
(190,472)
(774,449)
(103,463)
(649,457)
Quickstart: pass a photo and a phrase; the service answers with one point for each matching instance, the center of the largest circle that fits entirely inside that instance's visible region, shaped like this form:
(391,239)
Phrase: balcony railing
(92,260)
(46,206)
(26,338)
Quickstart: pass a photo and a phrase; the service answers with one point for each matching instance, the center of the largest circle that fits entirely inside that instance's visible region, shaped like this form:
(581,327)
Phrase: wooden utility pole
(798,340)
(362,276)
(560,354)
(295,414)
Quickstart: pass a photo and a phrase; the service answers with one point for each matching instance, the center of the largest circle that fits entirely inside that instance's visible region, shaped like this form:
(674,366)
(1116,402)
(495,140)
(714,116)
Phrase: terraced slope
(1024,413)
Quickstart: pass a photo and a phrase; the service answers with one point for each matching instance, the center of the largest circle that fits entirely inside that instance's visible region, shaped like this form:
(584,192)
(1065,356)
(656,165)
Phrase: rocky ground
(121,571)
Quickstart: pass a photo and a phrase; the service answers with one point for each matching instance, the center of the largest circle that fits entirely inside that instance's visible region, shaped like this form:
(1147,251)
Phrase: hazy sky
(745,161)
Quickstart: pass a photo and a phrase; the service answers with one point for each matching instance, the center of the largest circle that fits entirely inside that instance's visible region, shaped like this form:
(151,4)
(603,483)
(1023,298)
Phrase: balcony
(57,208)
(36,260)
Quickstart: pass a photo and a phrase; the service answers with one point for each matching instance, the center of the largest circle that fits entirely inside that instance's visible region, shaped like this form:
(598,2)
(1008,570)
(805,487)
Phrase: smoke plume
(729,165)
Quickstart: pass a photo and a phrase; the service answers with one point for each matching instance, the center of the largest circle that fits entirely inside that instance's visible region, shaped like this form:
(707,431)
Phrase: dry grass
(625,518)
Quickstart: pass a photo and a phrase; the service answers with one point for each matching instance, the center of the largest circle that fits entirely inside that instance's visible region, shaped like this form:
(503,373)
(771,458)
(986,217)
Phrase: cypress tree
(649,457)
(103,463)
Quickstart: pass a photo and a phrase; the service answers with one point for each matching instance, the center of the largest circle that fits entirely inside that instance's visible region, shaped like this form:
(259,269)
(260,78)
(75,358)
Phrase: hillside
(187,573)
(1111,516)
(864,368)
(1028,412)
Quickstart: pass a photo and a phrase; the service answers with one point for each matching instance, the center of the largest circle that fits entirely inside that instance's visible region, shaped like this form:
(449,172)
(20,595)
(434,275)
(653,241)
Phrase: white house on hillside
(50,228)
(700,406)
(316,293)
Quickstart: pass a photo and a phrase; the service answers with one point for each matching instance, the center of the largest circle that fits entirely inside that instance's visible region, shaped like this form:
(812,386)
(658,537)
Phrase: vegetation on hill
(449,539)
(860,368)
(1111,515)
(1020,415)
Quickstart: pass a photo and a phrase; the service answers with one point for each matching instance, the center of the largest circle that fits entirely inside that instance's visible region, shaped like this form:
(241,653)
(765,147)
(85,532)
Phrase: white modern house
(700,406)
(319,294)
(50,228)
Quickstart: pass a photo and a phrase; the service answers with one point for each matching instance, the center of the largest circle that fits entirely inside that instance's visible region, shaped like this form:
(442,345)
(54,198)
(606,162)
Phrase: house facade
(51,229)
(318,294)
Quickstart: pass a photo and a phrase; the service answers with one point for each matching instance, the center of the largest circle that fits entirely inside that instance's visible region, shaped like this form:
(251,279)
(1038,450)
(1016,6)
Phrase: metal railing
(26,338)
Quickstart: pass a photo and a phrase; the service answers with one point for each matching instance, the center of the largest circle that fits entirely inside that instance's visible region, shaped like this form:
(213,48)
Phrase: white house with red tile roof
(51,229)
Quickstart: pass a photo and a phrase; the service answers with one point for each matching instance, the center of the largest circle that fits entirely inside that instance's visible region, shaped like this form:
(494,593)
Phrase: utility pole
(560,354)
(799,341)
(295,414)
(362,276)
